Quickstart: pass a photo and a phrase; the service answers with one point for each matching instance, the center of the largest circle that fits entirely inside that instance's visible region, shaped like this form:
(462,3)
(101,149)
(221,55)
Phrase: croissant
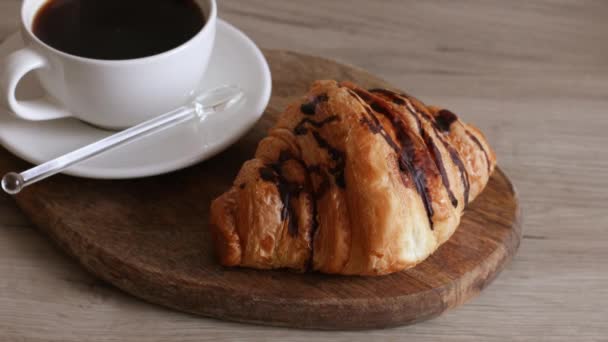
(351,181)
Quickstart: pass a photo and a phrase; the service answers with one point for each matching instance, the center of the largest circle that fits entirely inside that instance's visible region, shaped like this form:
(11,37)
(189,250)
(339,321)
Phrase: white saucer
(235,60)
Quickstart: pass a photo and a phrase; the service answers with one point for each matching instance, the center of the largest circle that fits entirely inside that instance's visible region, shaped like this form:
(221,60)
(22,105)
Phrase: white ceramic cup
(107,93)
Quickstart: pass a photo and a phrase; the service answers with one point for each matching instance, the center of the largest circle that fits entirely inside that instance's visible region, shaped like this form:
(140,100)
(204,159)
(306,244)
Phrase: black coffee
(117,29)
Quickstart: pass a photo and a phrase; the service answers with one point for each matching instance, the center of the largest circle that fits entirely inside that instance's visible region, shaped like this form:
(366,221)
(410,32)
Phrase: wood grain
(149,237)
(532,74)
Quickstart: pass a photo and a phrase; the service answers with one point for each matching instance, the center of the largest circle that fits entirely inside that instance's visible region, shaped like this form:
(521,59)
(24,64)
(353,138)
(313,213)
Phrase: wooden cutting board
(149,237)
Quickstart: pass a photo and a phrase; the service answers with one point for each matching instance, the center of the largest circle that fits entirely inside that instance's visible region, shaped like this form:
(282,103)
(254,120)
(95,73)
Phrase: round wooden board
(149,237)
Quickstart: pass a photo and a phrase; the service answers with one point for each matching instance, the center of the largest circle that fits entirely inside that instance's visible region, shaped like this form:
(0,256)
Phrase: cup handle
(12,69)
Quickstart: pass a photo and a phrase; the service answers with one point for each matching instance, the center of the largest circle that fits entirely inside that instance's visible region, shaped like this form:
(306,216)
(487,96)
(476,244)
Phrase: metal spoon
(203,105)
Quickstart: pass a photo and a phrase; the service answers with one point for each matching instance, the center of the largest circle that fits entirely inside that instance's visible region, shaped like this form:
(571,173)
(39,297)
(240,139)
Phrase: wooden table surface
(532,74)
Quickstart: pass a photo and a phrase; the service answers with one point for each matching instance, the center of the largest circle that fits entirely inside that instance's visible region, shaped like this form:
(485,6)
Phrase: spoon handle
(210,102)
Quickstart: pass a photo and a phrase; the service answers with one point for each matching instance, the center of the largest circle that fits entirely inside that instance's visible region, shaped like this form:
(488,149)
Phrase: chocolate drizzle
(324,185)
(406,153)
(310,108)
(445,119)
(301,129)
(436,154)
(464,175)
(268,174)
(454,155)
(287,190)
(337,156)
(374,124)
(380,109)
(390,94)
(478,143)
(376,127)
(313,231)
(285,156)
(398,99)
